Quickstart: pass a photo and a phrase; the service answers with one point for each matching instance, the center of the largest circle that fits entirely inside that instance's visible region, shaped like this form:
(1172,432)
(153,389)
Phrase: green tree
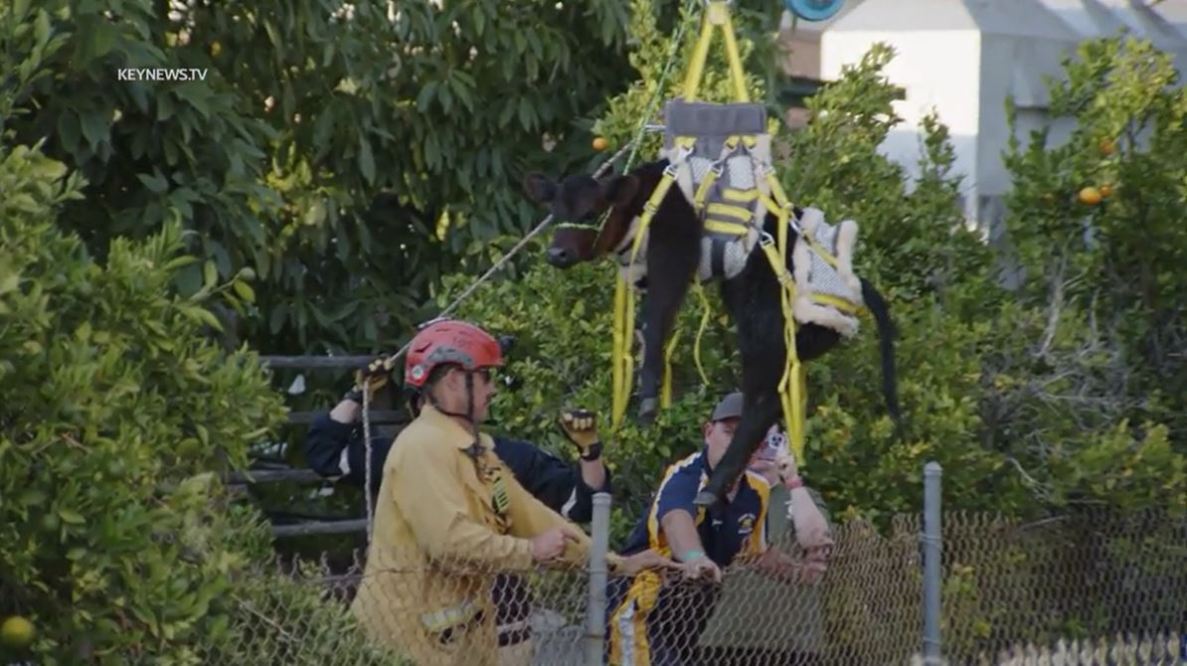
(329,147)
(1096,400)
(1006,403)
(117,412)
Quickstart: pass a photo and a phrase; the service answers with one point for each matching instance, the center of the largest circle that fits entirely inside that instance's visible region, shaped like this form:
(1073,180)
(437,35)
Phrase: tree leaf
(210,273)
(155,183)
(71,517)
(244,291)
(68,130)
(316,214)
(425,97)
(41,26)
(202,315)
(366,161)
(197,94)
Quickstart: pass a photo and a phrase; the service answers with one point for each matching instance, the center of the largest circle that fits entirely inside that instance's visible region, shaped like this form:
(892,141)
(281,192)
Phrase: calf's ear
(620,190)
(539,188)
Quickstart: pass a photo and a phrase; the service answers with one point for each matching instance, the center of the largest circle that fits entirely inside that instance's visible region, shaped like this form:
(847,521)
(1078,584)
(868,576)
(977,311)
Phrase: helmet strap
(470,412)
(468,415)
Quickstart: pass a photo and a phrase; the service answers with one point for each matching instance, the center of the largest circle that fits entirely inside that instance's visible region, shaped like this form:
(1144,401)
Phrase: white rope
(390,361)
(367,464)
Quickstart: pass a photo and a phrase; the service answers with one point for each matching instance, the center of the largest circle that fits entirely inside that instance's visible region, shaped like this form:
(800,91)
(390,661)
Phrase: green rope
(663,79)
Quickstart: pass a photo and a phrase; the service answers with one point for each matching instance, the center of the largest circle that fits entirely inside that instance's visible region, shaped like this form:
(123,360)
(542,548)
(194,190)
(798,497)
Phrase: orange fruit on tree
(600,143)
(1106,191)
(1090,196)
(1107,146)
(16,632)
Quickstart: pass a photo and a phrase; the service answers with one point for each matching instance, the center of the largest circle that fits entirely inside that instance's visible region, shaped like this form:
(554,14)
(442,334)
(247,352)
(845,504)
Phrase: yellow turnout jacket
(448,518)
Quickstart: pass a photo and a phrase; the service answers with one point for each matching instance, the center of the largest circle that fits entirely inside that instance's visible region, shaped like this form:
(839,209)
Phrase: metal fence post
(932,552)
(595,621)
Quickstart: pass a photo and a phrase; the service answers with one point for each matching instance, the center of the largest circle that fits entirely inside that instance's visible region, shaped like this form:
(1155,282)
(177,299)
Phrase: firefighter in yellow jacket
(450,516)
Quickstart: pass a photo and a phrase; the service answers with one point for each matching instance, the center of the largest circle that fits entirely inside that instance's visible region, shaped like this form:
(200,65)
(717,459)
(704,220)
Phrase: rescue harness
(719,157)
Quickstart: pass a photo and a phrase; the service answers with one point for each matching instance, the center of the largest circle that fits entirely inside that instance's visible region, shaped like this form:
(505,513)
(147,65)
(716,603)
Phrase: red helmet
(449,341)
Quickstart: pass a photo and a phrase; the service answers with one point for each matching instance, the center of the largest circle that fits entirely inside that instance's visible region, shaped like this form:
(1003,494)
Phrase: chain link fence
(1095,586)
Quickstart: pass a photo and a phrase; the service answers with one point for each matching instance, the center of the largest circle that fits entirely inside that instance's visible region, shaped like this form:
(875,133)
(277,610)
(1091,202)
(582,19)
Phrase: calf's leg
(665,294)
(752,300)
(673,253)
(761,410)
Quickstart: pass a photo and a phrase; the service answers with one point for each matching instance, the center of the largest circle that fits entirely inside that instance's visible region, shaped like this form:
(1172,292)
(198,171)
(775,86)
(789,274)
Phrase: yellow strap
(717,13)
(731,228)
(777,192)
(445,618)
(619,391)
(696,64)
(790,390)
(696,349)
(793,387)
(736,212)
(735,61)
(839,303)
(821,252)
(623,362)
(739,196)
(698,200)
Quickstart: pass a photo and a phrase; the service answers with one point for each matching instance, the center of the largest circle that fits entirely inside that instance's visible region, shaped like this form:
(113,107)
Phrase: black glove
(370,379)
(581,427)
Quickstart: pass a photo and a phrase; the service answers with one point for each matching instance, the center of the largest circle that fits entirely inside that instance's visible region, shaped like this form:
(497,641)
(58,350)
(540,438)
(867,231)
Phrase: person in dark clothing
(334,448)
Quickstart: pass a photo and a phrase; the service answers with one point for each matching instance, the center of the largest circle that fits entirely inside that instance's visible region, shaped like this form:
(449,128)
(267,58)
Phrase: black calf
(673,253)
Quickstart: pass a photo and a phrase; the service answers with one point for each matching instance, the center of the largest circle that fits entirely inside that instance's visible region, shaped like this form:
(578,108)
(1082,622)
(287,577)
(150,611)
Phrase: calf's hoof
(648,408)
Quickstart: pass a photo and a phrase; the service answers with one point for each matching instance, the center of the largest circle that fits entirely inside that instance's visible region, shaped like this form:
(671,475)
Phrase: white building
(962,58)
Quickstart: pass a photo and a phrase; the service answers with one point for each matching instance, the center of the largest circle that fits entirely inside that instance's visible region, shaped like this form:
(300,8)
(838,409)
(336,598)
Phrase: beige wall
(801,57)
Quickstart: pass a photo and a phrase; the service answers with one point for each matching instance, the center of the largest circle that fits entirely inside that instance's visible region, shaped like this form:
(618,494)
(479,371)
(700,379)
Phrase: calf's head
(592,215)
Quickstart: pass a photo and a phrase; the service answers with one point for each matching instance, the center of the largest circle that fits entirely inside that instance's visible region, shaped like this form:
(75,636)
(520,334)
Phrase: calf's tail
(886,335)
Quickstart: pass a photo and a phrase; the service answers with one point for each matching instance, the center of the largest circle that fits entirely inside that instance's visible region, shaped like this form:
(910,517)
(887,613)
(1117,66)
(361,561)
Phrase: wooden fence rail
(378,417)
(320,527)
(308,476)
(317,362)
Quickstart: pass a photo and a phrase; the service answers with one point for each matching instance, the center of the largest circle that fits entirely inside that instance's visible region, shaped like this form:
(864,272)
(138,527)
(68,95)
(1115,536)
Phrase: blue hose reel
(814,10)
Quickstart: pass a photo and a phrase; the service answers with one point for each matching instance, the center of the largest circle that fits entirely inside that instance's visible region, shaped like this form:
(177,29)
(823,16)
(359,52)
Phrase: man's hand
(815,538)
(648,559)
(581,427)
(778,564)
(370,379)
(786,466)
(701,567)
(814,567)
(551,544)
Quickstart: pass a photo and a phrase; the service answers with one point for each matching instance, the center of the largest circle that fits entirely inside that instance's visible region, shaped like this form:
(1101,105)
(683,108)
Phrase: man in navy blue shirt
(657,622)
(334,449)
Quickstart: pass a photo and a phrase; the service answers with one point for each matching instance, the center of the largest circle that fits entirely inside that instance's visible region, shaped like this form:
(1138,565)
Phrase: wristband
(593,452)
(354,395)
(691,555)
